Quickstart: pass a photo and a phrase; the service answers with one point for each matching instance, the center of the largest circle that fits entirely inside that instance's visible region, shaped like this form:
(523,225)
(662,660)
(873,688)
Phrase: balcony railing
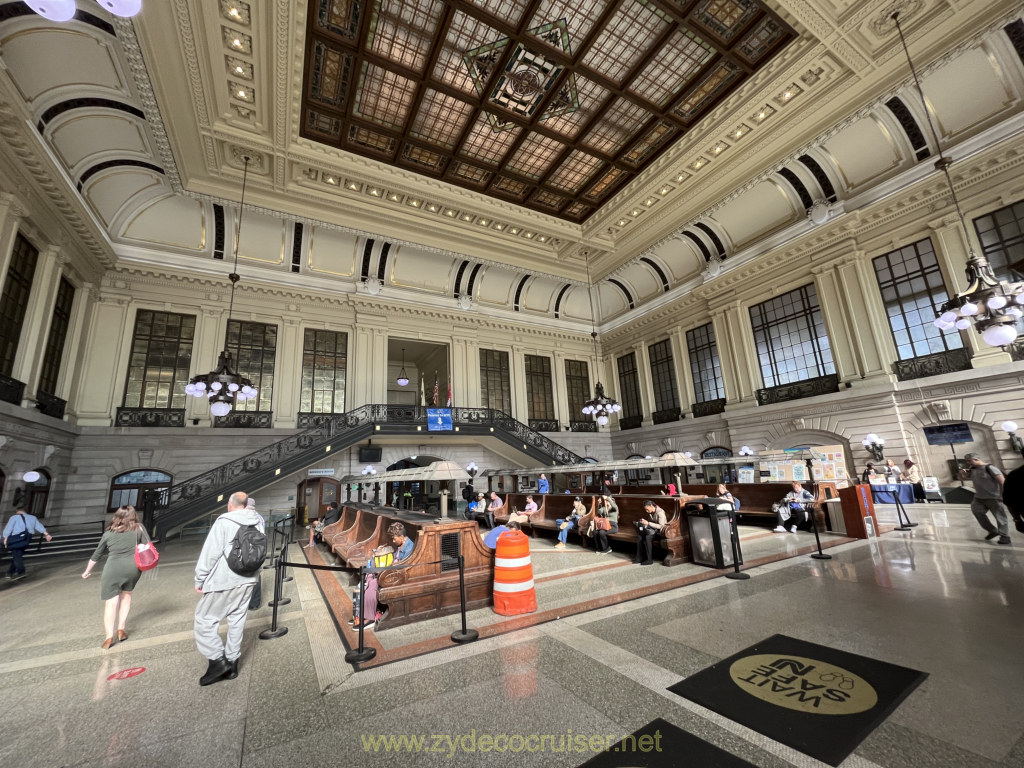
(950,361)
(11,390)
(630,422)
(583,426)
(666,415)
(823,385)
(150,417)
(708,408)
(246,420)
(544,425)
(50,405)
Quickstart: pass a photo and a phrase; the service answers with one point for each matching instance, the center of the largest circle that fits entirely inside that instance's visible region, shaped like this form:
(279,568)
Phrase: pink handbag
(146,556)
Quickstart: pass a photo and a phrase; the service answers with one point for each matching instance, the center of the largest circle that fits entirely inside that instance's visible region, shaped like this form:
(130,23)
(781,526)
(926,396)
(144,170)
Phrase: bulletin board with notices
(828,463)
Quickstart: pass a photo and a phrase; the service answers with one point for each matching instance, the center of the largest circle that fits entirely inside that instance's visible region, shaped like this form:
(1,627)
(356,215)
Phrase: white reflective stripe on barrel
(522,586)
(511,562)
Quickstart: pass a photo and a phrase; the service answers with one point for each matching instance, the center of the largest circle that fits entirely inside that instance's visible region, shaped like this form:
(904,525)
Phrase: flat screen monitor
(370,455)
(944,434)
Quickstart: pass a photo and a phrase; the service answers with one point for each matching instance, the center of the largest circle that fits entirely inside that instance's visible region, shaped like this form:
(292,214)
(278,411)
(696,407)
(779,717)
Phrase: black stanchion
(362,653)
(275,631)
(464,635)
(901,513)
(279,579)
(272,560)
(734,535)
(819,555)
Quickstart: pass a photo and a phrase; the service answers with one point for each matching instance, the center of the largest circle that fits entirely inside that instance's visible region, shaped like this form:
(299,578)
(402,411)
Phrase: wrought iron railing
(198,495)
(583,426)
(822,385)
(630,422)
(666,415)
(544,425)
(950,361)
(708,408)
(246,420)
(50,405)
(149,417)
(11,390)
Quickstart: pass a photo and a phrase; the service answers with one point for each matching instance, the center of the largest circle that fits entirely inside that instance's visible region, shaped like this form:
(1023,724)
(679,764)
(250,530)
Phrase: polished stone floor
(937,599)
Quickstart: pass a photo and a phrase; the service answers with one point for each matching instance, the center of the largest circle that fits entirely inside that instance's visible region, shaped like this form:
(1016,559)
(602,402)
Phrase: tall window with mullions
(1001,234)
(59,324)
(324,356)
(539,393)
(577,388)
(705,367)
(790,337)
(495,389)
(663,378)
(14,300)
(253,347)
(912,287)
(629,383)
(158,367)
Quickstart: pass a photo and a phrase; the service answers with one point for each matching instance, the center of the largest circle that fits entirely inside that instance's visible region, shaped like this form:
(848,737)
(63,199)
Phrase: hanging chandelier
(64,10)
(600,406)
(224,386)
(402,380)
(992,305)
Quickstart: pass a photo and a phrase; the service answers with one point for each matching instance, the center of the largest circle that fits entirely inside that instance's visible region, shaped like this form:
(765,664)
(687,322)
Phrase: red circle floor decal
(124,674)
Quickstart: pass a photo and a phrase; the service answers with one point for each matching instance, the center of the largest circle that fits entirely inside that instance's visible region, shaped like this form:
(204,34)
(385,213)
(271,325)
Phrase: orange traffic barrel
(513,575)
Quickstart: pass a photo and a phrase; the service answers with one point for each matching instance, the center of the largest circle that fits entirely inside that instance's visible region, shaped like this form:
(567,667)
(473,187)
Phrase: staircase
(205,493)
(77,540)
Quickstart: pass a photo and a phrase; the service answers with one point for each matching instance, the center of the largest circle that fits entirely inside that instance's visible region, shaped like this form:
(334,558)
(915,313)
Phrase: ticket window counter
(313,495)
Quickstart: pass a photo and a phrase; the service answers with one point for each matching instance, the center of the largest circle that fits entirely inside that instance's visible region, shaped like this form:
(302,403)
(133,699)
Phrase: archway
(130,488)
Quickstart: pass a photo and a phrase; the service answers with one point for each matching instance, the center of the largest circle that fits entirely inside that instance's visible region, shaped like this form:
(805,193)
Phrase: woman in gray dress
(120,575)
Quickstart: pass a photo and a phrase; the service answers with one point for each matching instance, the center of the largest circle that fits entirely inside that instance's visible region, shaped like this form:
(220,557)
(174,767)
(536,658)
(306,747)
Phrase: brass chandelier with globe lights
(991,305)
(64,10)
(600,406)
(224,386)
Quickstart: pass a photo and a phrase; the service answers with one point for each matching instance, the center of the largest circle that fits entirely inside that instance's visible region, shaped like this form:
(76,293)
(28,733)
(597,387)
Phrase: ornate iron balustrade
(823,385)
(150,417)
(204,492)
(306,420)
(583,426)
(50,405)
(630,422)
(246,420)
(544,425)
(666,415)
(708,408)
(933,365)
(11,390)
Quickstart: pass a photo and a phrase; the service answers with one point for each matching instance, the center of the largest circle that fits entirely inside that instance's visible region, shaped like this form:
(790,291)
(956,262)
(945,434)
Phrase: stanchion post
(734,535)
(272,560)
(464,635)
(279,578)
(284,547)
(901,513)
(819,555)
(362,653)
(275,631)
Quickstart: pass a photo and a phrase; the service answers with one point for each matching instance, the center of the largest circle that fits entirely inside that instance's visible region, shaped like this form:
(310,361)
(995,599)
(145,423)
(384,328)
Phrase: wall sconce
(874,445)
(1010,428)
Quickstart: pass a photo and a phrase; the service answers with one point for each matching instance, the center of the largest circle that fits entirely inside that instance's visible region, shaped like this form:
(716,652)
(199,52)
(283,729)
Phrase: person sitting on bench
(526,516)
(608,510)
(566,524)
(476,507)
(493,507)
(405,546)
(795,503)
(646,529)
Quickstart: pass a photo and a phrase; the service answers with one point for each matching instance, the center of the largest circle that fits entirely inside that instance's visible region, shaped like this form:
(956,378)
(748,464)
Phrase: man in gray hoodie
(225,594)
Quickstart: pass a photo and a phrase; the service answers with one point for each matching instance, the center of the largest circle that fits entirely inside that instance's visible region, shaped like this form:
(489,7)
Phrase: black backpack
(248,550)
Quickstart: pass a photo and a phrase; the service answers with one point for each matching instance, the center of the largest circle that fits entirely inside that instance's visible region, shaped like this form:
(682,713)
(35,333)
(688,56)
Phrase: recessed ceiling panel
(553,110)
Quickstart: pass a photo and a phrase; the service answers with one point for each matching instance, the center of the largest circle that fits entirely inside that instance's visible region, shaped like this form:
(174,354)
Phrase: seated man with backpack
(793,511)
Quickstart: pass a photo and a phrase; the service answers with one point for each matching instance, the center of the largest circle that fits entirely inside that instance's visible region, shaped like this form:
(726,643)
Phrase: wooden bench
(675,536)
(756,499)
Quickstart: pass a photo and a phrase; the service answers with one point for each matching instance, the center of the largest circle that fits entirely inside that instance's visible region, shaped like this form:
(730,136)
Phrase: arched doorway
(717,473)
(129,488)
(414,494)
(37,494)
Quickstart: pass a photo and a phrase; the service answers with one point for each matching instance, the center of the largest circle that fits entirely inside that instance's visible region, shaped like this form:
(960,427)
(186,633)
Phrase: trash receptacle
(710,541)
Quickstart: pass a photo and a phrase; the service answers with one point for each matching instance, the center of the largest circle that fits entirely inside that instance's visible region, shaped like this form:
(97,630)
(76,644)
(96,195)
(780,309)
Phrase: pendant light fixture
(600,406)
(402,380)
(64,10)
(224,387)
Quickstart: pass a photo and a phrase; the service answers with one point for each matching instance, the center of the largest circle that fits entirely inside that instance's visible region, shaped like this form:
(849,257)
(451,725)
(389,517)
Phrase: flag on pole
(449,393)
(437,392)
(423,397)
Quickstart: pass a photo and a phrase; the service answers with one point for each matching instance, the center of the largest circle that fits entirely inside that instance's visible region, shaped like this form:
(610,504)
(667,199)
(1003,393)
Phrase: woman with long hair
(120,574)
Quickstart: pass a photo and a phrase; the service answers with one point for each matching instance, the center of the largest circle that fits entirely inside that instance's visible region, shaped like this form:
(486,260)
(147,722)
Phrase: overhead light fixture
(402,380)
(600,406)
(224,386)
(125,8)
(746,451)
(990,304)
(53,10)
(875,446)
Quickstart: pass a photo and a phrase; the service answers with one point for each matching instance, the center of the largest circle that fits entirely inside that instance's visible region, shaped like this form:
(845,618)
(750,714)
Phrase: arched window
(129,488)
(35,495)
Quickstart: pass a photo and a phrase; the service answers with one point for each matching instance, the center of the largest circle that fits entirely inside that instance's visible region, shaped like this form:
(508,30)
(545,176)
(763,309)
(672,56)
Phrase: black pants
(644,537)
(601,537)
(487,518)
(17,561)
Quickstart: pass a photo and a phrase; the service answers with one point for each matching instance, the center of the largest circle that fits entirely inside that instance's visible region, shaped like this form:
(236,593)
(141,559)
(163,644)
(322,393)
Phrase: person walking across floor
(120,574)
(988,482)
(646,529)
(18,535)
(225,592)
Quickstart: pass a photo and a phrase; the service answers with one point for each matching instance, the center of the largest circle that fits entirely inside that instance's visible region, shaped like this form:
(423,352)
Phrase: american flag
(437,392)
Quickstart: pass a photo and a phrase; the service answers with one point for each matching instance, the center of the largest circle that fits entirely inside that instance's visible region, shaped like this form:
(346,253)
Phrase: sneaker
(8,577)
(563,526)
(1004,540)
(559,545)
(364,625)
(604,551)
(779,529)
(991,535)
